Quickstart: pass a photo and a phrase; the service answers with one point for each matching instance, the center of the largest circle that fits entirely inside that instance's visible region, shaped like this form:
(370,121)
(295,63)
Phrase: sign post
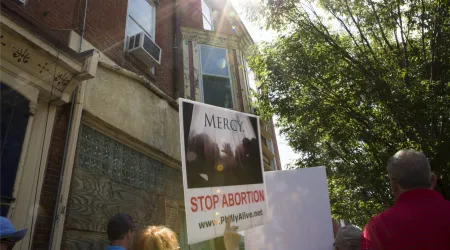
(222,170)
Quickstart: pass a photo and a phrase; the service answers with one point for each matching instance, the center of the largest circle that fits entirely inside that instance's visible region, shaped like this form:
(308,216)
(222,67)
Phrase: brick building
(89,111)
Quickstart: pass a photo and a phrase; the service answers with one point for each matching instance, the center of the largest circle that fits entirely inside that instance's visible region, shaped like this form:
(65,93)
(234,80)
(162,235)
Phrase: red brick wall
(44,220)
(55,14)
(165,39)
(105,30)
(191,13)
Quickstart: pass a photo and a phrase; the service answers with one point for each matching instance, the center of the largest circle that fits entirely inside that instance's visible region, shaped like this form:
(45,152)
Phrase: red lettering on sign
(201,201)
(224,200)
(250,197)
(261,194)
(230,200)
(237,198)
(194,204)
(215,200)
(208,198)
(244,198)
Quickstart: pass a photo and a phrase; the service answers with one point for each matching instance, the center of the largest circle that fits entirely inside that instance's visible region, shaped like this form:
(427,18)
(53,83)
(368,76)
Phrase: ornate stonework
(33,108)
(214,39)
(230,42)
(187,83)
(23,56)
(196,62)
(236,96)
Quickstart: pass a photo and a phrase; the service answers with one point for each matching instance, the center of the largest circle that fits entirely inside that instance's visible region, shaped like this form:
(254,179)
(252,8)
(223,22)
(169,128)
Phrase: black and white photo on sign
(221,147)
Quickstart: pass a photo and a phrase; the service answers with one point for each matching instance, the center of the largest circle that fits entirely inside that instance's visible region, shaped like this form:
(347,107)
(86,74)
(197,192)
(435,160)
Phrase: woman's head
(156,238)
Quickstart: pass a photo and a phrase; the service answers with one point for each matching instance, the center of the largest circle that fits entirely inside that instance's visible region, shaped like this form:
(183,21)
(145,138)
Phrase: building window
(141,17)
(216,82)
(207,16)
(102,155)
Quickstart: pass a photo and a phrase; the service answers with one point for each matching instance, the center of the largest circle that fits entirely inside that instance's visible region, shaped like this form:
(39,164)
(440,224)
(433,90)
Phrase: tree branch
(422,18)
(403,42)
(361,34)
(380,26)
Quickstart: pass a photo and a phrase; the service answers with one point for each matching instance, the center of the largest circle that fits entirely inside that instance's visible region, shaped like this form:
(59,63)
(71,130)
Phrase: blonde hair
(156,238)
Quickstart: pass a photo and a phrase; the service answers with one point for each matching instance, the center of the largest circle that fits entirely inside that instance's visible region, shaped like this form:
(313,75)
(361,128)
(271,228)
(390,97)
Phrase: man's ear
(395,188)
(433,180)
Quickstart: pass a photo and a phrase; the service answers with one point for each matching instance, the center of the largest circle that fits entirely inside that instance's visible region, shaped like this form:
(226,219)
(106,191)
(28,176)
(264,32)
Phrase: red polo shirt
(420,219)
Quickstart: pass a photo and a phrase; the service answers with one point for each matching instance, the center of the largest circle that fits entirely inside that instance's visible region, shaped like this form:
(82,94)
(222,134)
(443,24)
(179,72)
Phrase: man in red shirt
(420,218)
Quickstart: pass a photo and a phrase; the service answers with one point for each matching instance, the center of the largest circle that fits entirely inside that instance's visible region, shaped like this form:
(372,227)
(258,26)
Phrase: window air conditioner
(144,49)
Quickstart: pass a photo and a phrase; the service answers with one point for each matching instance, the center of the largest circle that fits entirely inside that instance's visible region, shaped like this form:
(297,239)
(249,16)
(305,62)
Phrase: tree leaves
(353,82)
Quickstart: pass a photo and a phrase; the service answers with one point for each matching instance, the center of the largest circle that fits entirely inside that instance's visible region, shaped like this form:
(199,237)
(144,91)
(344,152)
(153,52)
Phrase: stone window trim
(202,36)
(123,137)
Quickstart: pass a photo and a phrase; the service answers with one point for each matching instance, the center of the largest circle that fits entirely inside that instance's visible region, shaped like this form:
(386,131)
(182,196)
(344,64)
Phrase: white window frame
(153,35)
(202,96)
(211,16)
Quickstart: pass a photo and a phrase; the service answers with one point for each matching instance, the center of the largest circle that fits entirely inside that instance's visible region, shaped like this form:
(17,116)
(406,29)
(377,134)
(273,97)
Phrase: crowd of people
(122,236)
(419,219)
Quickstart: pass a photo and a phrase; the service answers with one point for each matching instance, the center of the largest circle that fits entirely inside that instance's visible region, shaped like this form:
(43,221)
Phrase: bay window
(215,77)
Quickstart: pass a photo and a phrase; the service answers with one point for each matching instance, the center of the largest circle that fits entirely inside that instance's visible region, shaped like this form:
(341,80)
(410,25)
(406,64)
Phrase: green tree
(354,81)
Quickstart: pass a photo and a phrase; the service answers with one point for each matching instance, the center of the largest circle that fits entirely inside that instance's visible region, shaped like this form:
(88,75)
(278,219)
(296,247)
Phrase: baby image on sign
(222,169)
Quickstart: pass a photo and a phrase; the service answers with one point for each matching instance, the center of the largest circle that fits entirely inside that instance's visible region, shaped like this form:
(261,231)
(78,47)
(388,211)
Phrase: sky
(287,154)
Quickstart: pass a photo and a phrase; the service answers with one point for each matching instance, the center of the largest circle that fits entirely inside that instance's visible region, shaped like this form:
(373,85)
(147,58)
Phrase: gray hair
(411,169)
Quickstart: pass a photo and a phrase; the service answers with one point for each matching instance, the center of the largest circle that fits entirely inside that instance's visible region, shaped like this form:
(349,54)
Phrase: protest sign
(222,170)
(299,212)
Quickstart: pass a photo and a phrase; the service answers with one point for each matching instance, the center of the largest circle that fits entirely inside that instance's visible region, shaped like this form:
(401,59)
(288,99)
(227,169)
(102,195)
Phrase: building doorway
(14,120)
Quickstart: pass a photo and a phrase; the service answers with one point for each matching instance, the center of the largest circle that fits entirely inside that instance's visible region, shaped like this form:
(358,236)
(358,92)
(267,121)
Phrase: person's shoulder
(447,202)
(444,205)
(389,212)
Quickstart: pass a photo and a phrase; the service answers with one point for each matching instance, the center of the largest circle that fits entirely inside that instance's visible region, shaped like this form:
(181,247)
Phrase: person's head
(348,238)
(9,236)
(156,238)
(409,169)
(120,230)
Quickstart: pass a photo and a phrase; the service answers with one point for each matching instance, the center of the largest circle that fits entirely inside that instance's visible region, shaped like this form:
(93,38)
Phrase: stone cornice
(215,39)
(53,71)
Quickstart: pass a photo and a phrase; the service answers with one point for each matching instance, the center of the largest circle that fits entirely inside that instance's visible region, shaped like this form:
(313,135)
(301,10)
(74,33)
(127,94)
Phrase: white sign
(299,211)
(222,170)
